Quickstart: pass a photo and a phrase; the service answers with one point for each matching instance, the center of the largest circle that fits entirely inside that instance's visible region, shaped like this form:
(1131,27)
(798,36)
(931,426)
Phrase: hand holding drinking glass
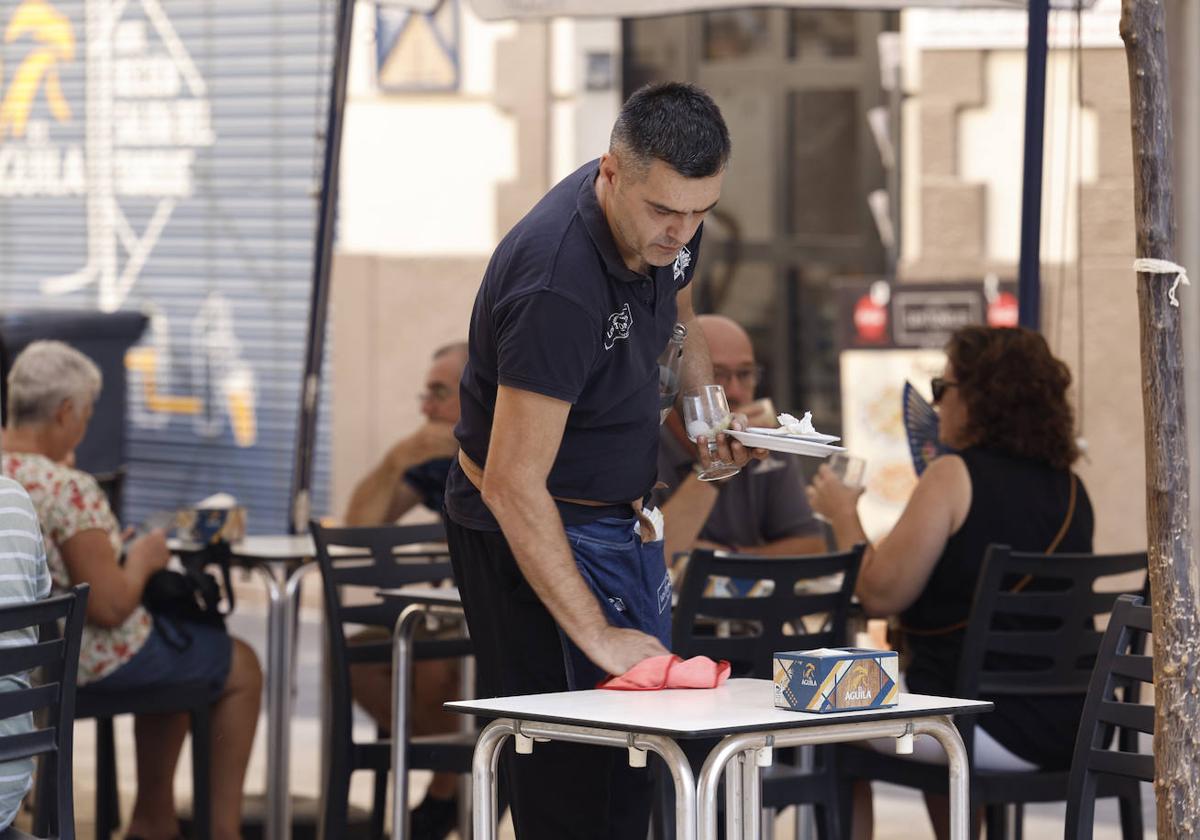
(836,486)
(706,415)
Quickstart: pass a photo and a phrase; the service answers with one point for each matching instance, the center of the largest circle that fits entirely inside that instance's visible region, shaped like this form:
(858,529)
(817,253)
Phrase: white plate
(815,437)
(785,443)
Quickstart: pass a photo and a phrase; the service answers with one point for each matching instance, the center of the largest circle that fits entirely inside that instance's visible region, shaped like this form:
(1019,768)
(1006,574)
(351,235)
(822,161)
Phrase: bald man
(761,510)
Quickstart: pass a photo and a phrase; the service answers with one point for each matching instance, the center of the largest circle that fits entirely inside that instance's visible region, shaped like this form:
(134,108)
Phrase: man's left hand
(730,450)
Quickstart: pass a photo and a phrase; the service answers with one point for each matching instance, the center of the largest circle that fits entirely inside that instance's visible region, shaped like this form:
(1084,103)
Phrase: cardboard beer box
(836,679)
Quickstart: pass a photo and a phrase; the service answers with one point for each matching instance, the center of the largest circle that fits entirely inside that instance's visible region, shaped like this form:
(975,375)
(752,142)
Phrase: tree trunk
(1173,577)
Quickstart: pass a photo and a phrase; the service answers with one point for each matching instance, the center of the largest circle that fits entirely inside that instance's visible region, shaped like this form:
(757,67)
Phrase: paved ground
(900,814)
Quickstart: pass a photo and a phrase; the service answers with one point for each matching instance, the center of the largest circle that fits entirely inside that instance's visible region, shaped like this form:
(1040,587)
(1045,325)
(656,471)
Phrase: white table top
(283,547)
(425,594)
(737,706)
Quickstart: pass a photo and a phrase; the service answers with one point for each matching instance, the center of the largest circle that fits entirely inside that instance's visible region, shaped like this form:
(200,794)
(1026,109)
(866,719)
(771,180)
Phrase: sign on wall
(164,157)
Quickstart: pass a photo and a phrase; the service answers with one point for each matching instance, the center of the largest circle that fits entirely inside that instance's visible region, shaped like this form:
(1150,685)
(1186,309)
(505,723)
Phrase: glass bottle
(670,367)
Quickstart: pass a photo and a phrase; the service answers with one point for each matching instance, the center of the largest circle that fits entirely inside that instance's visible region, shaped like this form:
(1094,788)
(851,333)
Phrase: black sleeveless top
(1021,503)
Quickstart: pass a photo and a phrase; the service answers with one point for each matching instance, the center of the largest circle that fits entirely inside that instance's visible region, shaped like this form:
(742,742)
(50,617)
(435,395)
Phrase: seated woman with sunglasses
(1002,406)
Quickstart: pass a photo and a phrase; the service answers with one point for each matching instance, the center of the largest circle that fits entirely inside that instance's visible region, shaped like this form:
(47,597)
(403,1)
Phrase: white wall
(420,171)
(991,138)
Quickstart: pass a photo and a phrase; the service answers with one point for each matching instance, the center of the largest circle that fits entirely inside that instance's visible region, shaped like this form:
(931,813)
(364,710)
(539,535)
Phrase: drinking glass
(706,414)
(848,468)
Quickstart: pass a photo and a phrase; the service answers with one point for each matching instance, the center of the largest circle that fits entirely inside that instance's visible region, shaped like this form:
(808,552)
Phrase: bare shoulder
(948,480)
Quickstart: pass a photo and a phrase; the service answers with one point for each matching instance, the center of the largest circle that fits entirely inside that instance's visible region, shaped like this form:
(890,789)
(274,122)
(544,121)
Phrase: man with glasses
(413,472)
(761,510)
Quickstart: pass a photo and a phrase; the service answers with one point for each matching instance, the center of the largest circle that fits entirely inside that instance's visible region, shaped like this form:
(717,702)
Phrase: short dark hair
(676,123)
(1015,392)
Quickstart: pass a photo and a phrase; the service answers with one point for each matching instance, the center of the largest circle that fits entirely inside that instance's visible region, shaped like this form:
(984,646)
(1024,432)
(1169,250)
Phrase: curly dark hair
(1015,392)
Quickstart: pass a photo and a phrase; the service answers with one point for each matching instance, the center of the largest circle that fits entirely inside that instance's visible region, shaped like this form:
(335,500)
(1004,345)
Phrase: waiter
(561,578)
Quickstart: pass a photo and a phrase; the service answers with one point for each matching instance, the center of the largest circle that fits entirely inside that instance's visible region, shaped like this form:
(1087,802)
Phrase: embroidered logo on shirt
(618,327)
(682,260)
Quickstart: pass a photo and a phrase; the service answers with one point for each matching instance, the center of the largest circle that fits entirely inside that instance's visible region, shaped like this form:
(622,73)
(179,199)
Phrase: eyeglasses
(436,393)
(747,377)
(938,386)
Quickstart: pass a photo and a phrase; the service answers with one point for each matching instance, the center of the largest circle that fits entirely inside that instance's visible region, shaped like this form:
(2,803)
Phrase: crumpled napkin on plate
(670,671)
(789,425)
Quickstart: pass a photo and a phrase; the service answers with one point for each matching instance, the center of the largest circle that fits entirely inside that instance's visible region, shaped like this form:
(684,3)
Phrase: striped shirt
(24,577)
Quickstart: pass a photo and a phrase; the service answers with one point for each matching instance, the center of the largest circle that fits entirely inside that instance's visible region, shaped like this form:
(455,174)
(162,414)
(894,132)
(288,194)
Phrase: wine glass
(706,414)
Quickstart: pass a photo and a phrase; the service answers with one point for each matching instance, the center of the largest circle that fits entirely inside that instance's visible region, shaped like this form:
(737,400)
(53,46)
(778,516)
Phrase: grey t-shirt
(24,577)
(762,503)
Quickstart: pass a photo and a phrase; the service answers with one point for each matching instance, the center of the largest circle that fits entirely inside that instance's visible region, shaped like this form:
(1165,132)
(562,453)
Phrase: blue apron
(628,577)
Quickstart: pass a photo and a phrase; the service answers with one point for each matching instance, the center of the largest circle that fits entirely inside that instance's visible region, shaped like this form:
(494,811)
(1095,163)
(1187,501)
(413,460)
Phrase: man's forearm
(532,525)
(697,366)
(372,499)
(787,546)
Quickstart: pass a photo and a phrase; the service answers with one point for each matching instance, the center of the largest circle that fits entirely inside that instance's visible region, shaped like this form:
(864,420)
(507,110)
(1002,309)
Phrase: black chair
(795,603)
(371,564)
(1121,665)
(193,699)
(58,659)
(1031,633)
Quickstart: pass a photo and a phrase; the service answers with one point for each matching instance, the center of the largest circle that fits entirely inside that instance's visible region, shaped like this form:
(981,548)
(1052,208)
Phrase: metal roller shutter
(164,156)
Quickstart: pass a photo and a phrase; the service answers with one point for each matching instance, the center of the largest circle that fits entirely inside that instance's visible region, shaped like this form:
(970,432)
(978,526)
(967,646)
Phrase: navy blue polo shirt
(560,314)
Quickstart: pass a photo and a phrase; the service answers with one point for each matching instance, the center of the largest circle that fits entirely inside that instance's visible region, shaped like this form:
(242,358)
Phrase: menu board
(873,426)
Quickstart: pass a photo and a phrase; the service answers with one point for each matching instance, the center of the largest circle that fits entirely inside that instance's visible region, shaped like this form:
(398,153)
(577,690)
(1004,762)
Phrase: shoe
(434,818)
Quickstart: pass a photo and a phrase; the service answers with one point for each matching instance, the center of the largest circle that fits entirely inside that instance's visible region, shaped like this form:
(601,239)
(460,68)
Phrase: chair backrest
(748,629)
(56,658)
(365,558)
(1113,700)
(1032,629)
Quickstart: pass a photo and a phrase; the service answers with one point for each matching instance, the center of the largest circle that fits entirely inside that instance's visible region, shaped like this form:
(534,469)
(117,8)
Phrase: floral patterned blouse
(68,502)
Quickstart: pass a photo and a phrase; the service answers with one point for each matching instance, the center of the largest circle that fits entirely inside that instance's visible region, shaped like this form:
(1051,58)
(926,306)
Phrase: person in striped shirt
(24,576)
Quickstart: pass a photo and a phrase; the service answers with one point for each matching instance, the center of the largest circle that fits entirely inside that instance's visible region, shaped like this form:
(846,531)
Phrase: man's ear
(610,166)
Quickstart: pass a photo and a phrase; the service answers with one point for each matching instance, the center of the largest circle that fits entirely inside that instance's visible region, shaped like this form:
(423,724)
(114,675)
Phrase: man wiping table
(562,582)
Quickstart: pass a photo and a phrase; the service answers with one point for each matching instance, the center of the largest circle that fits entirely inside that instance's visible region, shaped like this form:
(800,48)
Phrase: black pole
(1029,283)
(306,434)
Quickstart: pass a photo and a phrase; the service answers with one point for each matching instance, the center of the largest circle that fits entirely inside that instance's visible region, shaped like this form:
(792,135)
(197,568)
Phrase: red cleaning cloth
(670,671)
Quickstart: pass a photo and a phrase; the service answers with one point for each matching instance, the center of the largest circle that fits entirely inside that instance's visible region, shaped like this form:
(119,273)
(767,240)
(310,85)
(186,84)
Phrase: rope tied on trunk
(1145,265)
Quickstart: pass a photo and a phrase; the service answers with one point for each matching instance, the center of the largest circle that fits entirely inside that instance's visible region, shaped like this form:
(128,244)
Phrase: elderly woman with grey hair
(51,390)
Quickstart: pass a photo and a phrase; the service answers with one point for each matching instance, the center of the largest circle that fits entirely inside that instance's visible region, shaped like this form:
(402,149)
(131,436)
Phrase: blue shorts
(169,658)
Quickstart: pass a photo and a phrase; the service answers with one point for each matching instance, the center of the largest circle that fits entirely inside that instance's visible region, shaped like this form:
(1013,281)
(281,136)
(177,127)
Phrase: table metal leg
(283,594)
(751,797)
(721,760)
(944,730)
(734,813)
(483,776)
(402,640)
(273,575)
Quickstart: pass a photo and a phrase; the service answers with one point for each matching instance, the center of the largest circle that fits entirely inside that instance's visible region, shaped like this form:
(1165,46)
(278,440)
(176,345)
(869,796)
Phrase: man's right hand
(620,648)
(431,440)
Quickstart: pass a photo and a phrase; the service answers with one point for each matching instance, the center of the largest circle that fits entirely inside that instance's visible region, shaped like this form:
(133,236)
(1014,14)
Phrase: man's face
(439,401)
(733,364)
(656,212)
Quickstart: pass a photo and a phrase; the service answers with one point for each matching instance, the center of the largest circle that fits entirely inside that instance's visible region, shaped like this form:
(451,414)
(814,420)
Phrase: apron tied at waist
(648,529)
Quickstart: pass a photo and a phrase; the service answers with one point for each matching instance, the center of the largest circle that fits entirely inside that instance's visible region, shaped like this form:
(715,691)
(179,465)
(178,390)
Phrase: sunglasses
(938,386)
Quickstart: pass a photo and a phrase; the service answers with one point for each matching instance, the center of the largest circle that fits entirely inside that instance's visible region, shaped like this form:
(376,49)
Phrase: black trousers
(562,791)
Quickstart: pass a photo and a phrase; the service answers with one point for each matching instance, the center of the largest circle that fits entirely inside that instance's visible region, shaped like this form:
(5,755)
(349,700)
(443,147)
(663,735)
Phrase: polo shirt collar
(597,227)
